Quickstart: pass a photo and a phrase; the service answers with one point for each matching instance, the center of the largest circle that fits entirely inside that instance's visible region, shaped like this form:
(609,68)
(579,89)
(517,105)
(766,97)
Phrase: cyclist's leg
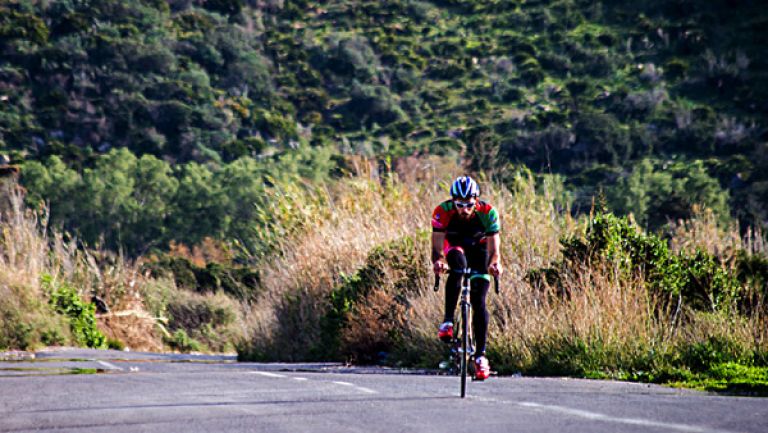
(457,261)
(480,281)
(479,284)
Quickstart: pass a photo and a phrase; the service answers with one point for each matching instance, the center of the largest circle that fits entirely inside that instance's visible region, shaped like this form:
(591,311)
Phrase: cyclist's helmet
(464,187)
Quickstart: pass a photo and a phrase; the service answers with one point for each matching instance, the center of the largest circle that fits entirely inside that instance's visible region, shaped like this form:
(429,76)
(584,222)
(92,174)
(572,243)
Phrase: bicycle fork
(458,363)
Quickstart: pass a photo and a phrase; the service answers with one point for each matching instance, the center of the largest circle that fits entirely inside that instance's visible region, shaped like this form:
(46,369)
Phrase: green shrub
(369,105)
(602,137)
(15,331)
(446,70)
(676,68)
(115,344)
(242,283)
(656,192)
(81,315)
(714,351)
(699,279)
(375,296)
(180,341)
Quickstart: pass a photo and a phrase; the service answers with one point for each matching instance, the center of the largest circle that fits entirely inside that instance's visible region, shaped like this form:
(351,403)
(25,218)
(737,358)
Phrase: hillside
(653,106)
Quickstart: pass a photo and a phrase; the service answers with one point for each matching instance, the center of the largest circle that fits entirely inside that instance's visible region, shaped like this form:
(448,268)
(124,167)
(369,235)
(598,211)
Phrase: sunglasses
(464,204)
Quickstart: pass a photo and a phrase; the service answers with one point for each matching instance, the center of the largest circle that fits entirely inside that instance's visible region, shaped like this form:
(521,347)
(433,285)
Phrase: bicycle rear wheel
(464,346)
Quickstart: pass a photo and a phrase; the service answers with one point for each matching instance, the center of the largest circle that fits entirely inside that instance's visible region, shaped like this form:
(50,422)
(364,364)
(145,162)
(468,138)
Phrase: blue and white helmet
(464,187)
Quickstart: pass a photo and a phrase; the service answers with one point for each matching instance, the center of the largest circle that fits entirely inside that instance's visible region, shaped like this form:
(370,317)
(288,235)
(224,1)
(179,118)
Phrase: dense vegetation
(661,105)
(209,140)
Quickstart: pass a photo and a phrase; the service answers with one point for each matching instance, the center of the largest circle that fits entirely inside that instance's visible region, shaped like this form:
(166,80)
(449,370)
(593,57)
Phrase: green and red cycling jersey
(465,233)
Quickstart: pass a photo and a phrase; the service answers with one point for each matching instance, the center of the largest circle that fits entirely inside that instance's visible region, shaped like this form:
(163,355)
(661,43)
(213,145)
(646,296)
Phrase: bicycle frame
(462,345)
(465,341)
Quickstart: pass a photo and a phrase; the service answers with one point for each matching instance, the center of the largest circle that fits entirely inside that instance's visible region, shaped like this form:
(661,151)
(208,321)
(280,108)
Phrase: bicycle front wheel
(464,346)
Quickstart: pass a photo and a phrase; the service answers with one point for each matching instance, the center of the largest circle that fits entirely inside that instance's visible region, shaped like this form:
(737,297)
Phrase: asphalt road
(161,393)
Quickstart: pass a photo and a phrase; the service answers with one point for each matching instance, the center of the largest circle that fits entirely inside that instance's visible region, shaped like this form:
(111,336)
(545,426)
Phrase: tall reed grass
(611,324)
(363,211)
(367,212)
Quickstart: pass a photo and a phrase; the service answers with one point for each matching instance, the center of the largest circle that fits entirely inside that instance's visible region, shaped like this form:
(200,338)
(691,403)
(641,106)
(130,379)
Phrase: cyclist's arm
(439,264)
(438,238)
(494,254)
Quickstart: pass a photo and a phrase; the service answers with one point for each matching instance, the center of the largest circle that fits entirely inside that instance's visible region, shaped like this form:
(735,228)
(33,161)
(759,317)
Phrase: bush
(445,70)
(676,68)
(25,324)
(367,316)
(372,104)
(241,283)
(657,192)
(204,317)
(698,280)
(601,137)
(180,341)
(350,57)
(81,315)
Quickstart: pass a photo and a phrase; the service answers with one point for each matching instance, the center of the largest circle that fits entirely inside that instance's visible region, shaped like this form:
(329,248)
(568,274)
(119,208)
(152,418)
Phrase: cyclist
(465,233)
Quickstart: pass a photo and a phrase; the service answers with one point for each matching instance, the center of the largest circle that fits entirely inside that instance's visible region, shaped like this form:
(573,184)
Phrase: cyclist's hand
(495,269)
(440,266)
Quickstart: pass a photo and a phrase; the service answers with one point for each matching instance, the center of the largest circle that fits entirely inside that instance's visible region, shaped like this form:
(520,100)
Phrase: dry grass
(367,212)
(608,322)
(28,252)
(702,231)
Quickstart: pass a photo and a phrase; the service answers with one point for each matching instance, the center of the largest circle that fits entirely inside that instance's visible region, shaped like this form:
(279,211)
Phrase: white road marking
(631,421)
(304,379)
(109,365)
(359,388)
(267,374)
(365,390)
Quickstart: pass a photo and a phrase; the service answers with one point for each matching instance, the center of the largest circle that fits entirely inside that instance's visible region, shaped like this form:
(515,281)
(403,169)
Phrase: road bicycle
(461,359)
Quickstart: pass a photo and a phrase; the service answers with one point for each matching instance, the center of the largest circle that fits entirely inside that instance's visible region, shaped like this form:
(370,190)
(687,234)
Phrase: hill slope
(586,89)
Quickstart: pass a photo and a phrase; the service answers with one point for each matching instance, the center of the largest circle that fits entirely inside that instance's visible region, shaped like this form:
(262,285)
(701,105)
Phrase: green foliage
(115,344)
(714,351)
(396,259)
(17,333)
(138,204)
(21,25)
(699,280)
(656,192)
(370,105)
(81,315)
(239,282)
(180,341)
(602,138)
(154,78)
(228,107)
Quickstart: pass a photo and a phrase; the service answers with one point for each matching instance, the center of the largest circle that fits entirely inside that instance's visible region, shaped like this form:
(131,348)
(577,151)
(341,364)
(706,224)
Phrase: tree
(200,205)
(657,191)
(53,183)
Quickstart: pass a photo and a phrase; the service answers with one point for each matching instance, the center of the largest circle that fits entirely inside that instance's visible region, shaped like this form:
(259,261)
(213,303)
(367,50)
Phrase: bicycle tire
(464,347)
